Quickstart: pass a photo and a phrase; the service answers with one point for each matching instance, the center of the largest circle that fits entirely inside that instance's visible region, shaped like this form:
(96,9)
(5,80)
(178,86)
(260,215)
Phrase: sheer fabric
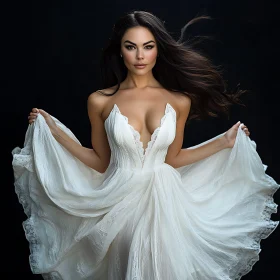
(142,218)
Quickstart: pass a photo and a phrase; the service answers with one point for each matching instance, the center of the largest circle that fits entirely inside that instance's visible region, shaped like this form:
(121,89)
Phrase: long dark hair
(179,67)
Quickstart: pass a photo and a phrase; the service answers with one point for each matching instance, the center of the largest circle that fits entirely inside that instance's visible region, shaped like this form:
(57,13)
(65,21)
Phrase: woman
(137,206)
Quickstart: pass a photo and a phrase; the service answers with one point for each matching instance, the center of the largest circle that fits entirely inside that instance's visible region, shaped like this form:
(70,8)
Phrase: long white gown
(142,218)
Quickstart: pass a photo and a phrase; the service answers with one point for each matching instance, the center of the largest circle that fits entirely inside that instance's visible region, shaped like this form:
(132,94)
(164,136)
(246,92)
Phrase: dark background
(50,60)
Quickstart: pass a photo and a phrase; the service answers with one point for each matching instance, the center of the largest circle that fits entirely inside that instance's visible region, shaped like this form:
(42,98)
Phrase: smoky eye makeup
(129,47)
(149,46)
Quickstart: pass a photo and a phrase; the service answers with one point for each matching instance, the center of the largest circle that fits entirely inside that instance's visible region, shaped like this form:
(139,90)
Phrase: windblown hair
(179,67)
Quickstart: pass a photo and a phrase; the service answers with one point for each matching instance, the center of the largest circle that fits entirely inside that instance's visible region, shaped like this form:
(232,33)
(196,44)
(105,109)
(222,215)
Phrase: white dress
(142,219)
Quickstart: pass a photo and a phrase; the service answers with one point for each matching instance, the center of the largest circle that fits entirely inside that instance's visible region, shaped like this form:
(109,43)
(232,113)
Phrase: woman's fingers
(245,129)
(44,113)
(33,115)
(32,119)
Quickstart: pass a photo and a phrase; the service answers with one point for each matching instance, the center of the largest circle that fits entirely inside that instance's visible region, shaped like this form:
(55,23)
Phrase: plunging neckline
(136,133)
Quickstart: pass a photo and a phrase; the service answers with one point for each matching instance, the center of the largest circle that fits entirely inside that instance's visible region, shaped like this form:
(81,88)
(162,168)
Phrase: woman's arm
(189,156)
(178,157)
(97,158)
(86,155)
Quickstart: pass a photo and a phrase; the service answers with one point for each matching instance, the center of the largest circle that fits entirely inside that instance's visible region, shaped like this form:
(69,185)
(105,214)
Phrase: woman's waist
(141,168)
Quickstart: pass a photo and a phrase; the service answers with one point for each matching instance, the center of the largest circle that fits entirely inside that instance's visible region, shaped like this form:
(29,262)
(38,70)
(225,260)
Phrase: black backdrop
(51,61)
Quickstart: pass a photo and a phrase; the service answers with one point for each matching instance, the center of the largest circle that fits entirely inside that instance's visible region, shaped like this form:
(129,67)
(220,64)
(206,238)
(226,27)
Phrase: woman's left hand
(230,135)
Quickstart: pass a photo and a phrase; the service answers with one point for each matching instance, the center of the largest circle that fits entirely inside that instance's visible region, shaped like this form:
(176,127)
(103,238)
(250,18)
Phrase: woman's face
(138,46)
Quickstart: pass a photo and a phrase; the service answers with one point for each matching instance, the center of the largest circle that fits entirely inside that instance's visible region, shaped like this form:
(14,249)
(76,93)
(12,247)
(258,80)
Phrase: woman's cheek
(130,59)
(153,56)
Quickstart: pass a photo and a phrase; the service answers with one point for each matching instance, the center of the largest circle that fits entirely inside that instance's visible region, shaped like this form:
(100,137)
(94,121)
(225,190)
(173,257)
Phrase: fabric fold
(200,221)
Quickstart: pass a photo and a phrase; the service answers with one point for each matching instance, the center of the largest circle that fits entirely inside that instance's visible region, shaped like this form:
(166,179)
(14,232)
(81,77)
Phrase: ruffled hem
(21,162)
(241,267)
(244,264)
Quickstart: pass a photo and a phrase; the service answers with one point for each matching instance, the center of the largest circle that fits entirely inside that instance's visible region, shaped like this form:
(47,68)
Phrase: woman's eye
(129,47)
(150,47)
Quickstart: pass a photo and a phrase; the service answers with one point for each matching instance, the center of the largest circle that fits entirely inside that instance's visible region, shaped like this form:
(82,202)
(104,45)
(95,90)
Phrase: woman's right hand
(50,122)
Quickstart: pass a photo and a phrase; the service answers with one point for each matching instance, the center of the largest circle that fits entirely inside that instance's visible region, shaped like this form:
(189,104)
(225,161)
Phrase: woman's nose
(140,55)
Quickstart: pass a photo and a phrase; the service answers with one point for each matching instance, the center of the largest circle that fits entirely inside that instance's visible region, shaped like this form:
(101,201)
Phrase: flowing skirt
(200,221)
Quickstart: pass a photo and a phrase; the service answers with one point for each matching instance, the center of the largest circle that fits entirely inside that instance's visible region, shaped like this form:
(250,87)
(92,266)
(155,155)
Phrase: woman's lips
(140,66)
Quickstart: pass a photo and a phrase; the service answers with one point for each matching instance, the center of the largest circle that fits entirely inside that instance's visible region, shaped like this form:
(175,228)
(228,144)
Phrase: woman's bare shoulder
(98,99)
(182,102)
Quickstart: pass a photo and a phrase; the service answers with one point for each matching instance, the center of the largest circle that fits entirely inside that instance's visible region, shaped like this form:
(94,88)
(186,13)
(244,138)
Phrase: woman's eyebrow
(135,44)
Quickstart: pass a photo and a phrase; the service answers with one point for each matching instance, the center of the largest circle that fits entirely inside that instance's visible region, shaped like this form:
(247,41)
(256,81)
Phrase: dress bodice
(126,148)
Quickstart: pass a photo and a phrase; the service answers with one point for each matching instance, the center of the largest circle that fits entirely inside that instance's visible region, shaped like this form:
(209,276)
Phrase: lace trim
(33,239)
(139,144)
(135,267)
(22,158)
(245,263)
(22,161)
(118,261)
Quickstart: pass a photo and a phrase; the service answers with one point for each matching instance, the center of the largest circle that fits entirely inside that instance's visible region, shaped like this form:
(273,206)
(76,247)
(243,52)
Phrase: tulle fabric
(143,220)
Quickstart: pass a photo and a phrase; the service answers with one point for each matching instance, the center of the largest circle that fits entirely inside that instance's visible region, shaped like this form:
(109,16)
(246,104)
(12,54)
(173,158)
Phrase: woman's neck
(133,81)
